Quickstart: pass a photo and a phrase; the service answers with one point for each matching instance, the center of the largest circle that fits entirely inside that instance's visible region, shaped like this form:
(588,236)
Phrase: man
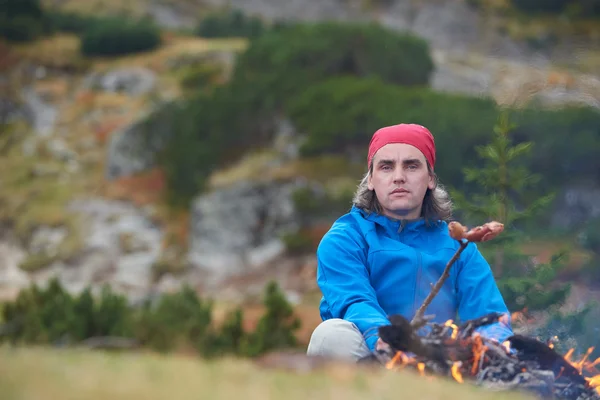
(382,257)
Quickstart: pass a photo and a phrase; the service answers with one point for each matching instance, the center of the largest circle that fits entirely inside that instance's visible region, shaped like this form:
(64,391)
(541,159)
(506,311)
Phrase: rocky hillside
(80,201)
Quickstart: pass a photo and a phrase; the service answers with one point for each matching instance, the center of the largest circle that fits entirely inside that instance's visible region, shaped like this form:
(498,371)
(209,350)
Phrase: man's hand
(381,345)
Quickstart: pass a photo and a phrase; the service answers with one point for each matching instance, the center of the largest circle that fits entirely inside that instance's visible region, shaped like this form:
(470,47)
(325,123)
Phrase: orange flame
(456,372)
(451,324)
(589,366)
(478,352)
(479,349)
(399,356)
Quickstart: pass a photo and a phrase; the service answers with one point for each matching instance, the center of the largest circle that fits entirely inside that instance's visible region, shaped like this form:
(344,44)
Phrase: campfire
(459,352)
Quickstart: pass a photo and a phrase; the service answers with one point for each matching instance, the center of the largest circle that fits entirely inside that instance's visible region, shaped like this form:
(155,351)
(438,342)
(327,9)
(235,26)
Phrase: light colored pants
(337,339)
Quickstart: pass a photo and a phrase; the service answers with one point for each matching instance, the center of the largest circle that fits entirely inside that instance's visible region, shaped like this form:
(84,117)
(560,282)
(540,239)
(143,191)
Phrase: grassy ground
(53,374)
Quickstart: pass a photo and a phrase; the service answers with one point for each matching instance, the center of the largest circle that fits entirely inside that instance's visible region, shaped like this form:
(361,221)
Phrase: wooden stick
(419,318)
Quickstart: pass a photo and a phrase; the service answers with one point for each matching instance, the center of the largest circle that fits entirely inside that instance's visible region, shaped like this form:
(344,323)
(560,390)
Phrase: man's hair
(436,203)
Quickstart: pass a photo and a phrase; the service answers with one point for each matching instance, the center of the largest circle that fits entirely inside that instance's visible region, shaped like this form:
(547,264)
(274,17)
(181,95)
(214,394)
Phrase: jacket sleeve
(478,294)
(343,278)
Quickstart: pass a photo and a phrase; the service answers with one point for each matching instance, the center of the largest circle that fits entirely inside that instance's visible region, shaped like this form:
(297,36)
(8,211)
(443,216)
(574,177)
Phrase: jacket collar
(388,223)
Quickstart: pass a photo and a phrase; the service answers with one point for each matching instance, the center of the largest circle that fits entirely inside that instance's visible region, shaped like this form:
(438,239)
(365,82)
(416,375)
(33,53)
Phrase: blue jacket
(370,267)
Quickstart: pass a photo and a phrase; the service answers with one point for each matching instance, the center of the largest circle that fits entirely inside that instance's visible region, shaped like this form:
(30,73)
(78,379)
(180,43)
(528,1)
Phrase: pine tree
(504,184)
(275,329)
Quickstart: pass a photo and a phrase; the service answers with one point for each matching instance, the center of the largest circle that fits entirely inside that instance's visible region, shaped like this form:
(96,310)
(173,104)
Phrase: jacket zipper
(419,267)
(417,281)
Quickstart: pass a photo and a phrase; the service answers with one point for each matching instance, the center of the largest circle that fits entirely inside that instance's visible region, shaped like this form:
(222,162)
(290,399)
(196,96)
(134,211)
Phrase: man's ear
(370,181)
(432,184)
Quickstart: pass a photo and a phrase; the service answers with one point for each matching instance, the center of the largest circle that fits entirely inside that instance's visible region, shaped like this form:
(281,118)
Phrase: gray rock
(239,228)
(294,9)
(47,240)
(470,81)
(42,170)
(42,115)
(577,204)
(286,140)
(60,151)
(107,222)
(133,149)
(12,278)
(169,17)
(134,81)
(30,147)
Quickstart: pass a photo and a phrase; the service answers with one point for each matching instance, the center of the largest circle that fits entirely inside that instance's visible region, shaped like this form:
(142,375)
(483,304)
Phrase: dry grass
(173,47)
(141,189)
(58,51)
(544,250)
(100,7)
(41,373)
(263,165)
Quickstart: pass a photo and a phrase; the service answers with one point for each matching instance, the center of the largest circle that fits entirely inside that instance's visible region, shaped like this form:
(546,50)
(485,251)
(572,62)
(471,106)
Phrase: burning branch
(458,232)
(520,363)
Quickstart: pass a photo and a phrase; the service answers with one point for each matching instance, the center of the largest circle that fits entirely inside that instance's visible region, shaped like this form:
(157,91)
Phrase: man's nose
(399,175)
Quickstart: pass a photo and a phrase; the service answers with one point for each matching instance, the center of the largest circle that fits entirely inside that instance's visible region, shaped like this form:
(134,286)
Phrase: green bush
(577,8)
(233,23)
(179,318)
(174,321)
(297,243)
(228,339)
(205,133)
(567,141)
(338,84)
(590,236)
(275,329)
(21,20)
(118,36)
(280,64)
(340,115)
(71,22)
(52,315)
(535,6)
(200,77)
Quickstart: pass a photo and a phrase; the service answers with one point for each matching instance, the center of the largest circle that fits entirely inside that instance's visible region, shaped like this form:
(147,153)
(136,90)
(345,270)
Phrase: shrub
(176,320)
(297,243)
(340,115)
(278,66)
(179,318)
(118,36)
(590,235)
(21,20)
(71,22)
(52,315)
(233,23)
(533,6)
(583,8)
(226,340)
(338,84)
(275,330)
(281,64)
(204,134)
(200,77)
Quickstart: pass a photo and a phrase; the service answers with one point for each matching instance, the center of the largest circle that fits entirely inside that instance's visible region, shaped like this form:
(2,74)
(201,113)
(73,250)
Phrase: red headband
(415,135)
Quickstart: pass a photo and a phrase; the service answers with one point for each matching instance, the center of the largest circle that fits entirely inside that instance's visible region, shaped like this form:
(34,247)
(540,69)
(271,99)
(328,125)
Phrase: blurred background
(168,167)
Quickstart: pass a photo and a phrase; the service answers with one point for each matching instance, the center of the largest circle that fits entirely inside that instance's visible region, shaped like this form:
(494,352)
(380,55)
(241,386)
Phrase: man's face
(400,179)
